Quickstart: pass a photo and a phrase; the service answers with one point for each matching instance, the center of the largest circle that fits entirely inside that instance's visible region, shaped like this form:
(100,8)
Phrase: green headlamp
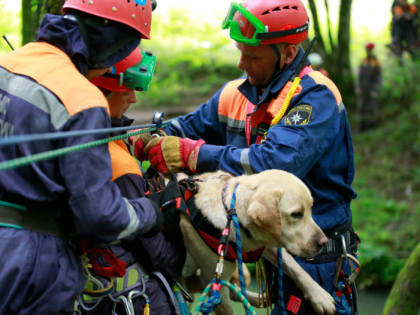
(235,30)
(138,77)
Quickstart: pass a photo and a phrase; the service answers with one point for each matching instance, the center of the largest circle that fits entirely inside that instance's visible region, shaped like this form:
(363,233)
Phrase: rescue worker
(404,31)
(367,89)
(44,88)
(316,63)
(233,131)
(145,254)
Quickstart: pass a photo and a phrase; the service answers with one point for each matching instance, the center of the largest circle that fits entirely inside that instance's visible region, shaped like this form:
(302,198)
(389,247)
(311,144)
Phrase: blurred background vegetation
(195,59)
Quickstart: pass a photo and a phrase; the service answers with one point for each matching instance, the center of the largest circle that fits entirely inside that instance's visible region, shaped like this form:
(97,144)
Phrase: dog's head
(279,212)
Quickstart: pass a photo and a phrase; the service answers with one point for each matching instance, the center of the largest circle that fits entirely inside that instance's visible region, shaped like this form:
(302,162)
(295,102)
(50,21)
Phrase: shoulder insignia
(299,115)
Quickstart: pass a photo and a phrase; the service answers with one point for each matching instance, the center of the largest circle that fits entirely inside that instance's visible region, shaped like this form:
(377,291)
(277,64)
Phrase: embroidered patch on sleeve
(299,115)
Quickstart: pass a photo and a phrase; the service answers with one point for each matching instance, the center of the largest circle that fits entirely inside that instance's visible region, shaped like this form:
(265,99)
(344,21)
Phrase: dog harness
(178,197)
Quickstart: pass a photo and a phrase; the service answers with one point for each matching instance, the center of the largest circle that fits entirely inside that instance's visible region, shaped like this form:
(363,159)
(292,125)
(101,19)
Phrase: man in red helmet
(234,130)
(367,89)
(404,28)
(154,258)
(44,88)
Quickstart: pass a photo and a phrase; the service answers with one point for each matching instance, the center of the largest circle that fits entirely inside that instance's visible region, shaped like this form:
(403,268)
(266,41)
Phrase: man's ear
(290,53)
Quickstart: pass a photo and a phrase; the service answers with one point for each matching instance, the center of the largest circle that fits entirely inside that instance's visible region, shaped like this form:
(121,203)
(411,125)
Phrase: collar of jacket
(124,121)
(274,87)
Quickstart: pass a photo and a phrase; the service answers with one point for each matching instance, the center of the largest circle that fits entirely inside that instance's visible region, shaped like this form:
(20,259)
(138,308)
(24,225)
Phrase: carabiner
(354,269)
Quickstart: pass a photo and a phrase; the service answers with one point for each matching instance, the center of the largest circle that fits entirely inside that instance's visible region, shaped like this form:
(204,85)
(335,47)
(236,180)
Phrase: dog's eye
(297,215)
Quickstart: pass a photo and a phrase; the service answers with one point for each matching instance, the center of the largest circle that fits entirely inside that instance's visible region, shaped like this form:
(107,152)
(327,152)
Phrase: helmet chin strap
(277,68)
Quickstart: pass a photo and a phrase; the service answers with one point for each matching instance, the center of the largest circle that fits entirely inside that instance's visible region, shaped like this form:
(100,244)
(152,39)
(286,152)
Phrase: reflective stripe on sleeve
(246,165)
(134,221)
(36,95)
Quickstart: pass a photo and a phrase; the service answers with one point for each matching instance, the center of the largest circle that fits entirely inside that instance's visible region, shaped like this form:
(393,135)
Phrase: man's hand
(172,154)
(139,142)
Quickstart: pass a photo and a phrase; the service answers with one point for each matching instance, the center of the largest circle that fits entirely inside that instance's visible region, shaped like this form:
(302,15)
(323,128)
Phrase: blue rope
(68,134)
(342,305)
(212,302)
(183,307)
(280,296)
(232,287)
(239,255)
(238,246)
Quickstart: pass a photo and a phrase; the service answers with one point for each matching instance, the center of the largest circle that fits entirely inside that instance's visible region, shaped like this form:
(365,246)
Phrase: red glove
(172,154)
(139,142)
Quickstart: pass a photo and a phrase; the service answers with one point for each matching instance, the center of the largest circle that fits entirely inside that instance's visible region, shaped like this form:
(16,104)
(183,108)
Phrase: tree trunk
(53,7)
(29,23)
(404,296)
(335,49)
(344,76)
(32,13)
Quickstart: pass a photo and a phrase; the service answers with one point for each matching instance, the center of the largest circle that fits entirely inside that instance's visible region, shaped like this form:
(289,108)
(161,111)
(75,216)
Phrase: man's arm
(293,145)
(98,208)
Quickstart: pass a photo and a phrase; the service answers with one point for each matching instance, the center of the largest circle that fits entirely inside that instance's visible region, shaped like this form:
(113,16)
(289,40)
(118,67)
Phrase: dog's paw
(322,302)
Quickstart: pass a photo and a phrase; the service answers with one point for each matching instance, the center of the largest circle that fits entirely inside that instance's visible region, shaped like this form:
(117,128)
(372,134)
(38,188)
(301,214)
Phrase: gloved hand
(138,142)
(172,154)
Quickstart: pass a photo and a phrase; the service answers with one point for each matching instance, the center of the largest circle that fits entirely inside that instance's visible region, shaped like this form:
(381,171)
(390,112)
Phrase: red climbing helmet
(370,46)
(113,84)
(136,14)
(264,22)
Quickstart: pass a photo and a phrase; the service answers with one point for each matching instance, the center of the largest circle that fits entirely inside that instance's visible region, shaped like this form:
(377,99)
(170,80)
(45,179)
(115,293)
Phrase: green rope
(22,161)
(231,286)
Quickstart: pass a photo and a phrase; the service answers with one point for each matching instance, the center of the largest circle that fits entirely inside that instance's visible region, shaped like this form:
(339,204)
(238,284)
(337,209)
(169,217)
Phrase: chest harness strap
(211,235)
(44,221)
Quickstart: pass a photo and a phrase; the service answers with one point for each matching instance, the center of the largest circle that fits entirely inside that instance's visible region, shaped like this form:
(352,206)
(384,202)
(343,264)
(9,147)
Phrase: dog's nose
(322,240)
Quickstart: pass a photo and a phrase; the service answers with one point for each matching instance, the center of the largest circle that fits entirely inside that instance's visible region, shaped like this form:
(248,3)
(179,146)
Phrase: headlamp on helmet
(137,77)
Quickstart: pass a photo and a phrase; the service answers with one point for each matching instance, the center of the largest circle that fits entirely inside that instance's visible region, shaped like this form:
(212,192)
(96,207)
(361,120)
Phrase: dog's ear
(264,210)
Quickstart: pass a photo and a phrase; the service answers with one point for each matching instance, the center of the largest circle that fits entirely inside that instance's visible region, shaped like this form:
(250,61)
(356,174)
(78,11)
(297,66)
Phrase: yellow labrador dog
(274,209)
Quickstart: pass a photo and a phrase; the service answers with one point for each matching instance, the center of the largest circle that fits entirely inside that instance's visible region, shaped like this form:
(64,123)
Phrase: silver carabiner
(127,305)
(343,244)
(353,269)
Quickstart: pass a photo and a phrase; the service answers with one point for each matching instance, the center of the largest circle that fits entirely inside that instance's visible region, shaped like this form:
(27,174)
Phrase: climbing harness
(42,220)
(98,288)
(345,294)
(216,284)
(178,197)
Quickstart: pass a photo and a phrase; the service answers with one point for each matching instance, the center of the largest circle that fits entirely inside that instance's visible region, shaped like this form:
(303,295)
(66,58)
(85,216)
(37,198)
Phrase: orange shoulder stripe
(122,161)
(322,79)
(52,68)
(230,96)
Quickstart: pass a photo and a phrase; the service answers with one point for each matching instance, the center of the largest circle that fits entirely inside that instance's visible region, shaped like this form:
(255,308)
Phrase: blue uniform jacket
(41,91)
(312,141)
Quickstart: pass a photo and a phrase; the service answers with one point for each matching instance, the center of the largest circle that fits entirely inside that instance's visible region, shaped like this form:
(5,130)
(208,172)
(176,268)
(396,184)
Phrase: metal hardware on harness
(351,260)
(128,301)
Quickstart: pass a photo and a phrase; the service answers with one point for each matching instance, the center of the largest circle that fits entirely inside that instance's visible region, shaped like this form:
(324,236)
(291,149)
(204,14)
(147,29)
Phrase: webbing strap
(42,221)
